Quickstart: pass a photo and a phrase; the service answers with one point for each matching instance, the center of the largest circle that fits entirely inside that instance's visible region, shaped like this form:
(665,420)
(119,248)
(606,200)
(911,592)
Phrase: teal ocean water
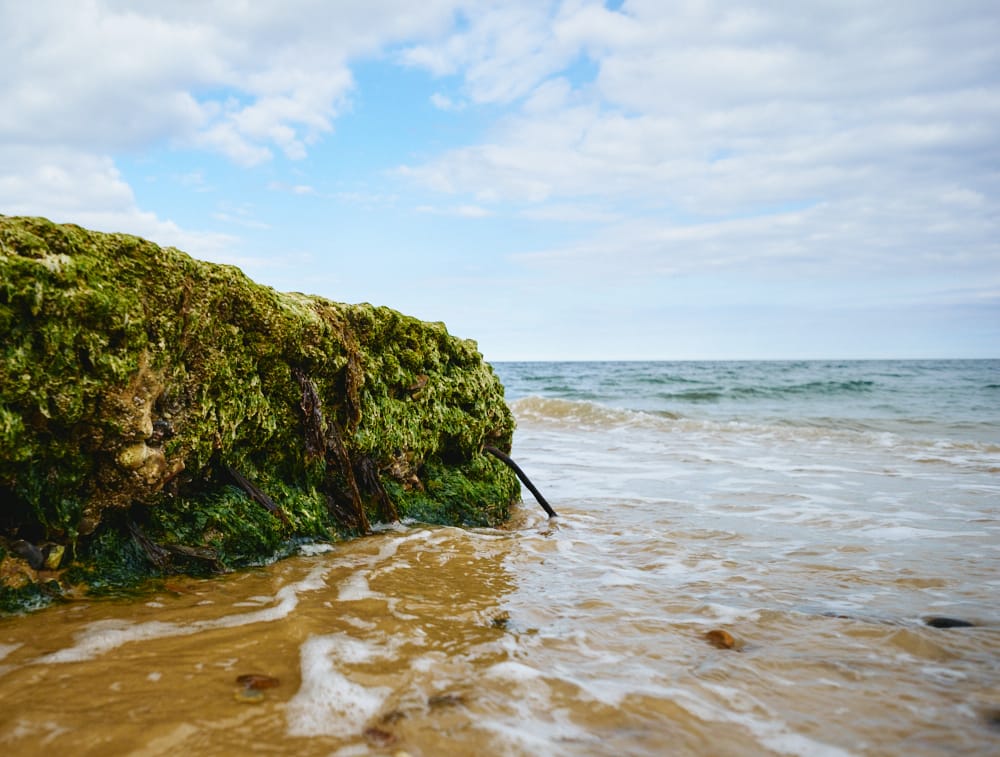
(749,559)
(956,400)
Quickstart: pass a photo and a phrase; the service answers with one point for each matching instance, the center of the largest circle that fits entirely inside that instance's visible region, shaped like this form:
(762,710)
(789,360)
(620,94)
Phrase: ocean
(749,558)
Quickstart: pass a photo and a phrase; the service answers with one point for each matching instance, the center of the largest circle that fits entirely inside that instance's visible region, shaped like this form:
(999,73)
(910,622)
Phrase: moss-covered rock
(160,413)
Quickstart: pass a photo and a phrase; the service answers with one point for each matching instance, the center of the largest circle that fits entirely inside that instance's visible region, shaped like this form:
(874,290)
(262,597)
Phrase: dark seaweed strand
(256,494)
(521,475)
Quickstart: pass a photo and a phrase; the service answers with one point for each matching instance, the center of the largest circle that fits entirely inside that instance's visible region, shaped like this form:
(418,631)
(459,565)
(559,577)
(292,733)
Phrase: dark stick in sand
(521,475)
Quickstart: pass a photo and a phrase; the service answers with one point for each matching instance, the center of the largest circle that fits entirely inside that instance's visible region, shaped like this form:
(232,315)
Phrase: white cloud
(461,211)
(843,137)
(472,211)
(570,213)
(366,199)
(66,185)
(87,80)
(80,75)
(504,51)
(904,247)
(193,180)
(443,102)
(295,189)
(109,76)
(239,215)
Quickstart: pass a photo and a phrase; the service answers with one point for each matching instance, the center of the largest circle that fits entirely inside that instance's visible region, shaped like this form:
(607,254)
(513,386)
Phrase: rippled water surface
(818,515)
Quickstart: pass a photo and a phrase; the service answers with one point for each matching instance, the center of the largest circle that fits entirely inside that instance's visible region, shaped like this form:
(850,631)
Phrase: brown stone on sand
(379,737)
(257,681)
(941,622)
(721,639)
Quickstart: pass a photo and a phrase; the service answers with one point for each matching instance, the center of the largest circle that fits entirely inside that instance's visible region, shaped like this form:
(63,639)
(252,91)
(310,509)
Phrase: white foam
(364,625)
(6,649)
(535,725)
(428,662)
(287,600)
(397,526)
(944,675)
(906,533)
(514,671)
(726,614)
(328,703)
(771,733)
(104,635)
(390,547)
(355,588)
(621,577)
(317,548)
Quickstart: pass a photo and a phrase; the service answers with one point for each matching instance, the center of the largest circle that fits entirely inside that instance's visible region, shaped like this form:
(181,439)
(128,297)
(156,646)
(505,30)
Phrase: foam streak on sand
(102,636)
(328,703)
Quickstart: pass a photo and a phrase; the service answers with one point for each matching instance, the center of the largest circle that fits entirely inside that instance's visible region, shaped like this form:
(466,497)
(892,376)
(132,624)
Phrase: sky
(647,179)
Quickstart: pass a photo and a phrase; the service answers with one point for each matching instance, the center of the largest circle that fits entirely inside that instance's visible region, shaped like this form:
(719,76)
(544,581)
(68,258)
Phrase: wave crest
(582,413)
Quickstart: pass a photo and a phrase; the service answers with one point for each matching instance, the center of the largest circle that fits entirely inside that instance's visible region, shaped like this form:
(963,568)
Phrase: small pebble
(721,639)
(393,716)
(380,738)
(445,700)
(28,551)
(54,556)
(992,718)
(948,623)
(257,681)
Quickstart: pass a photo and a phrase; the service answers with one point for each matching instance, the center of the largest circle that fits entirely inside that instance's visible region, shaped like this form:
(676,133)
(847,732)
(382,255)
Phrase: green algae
(133,377)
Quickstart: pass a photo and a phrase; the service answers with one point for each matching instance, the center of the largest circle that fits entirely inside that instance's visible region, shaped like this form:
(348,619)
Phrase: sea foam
(328,703)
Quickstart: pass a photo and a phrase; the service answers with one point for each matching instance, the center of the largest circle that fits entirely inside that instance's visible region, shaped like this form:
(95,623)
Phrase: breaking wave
(583,413)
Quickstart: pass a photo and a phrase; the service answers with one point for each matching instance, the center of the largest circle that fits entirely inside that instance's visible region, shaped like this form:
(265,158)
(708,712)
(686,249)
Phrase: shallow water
(820,537)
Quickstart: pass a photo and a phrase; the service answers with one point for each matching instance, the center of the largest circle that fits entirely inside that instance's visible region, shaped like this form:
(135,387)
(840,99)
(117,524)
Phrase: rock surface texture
(162,414)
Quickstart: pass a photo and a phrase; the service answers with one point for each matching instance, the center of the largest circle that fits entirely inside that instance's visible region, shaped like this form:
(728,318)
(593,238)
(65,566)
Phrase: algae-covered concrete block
(160,413)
